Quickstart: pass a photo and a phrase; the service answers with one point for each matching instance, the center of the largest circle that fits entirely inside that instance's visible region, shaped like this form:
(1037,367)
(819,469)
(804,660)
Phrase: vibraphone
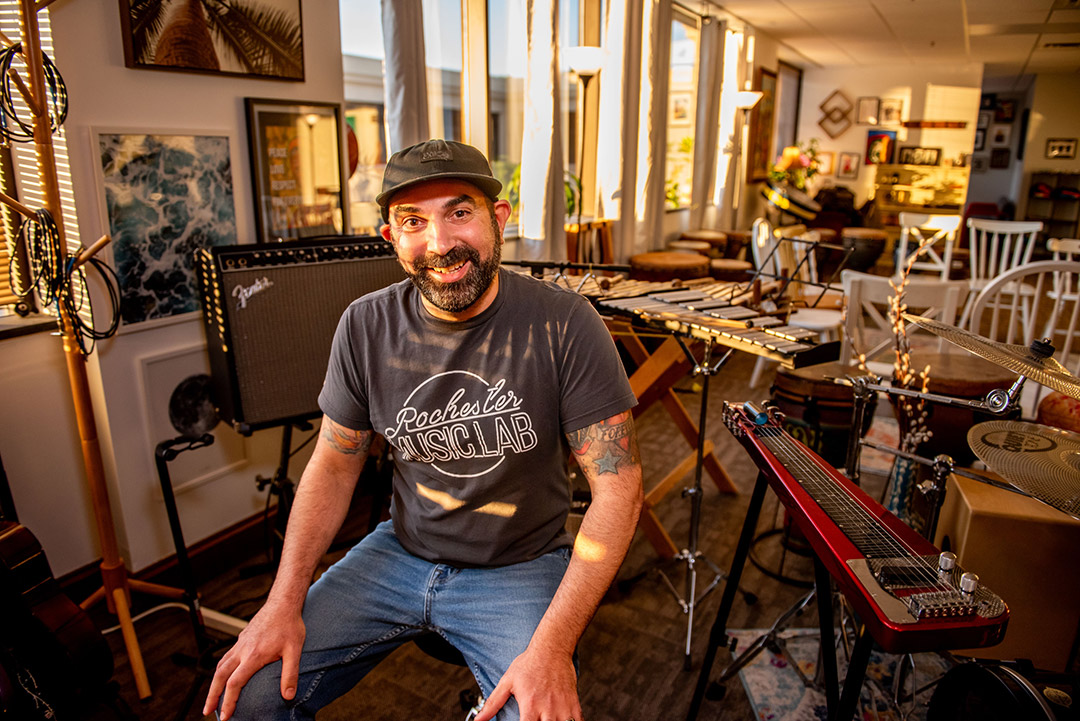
(708,310)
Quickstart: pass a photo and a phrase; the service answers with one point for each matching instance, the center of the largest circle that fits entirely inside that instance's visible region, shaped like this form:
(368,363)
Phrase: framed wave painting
(165,196)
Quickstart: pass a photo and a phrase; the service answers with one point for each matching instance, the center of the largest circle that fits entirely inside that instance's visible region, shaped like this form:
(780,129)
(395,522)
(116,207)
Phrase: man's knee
(261,697)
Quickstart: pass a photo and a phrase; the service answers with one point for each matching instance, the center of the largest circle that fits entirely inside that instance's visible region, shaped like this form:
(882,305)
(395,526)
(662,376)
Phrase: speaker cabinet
(270,311)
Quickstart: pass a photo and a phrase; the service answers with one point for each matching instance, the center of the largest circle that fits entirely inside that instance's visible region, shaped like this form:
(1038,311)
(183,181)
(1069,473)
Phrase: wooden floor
(632,654)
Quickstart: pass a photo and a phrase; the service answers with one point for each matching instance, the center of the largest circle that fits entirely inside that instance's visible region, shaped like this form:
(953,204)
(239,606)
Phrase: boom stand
(691,554)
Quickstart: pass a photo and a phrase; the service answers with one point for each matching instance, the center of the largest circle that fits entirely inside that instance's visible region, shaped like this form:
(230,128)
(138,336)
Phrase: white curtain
(616,143)
(406,74)
(655,42)
(707,122)
(543,200)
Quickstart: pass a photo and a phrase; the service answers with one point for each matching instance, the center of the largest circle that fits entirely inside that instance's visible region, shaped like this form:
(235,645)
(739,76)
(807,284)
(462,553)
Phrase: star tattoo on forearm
(606,444)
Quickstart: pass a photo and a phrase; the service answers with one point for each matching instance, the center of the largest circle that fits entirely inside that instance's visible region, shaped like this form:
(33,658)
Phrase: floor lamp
(585,62)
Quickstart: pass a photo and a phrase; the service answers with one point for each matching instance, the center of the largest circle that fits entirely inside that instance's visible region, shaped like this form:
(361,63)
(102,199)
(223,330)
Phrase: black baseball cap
(434,159)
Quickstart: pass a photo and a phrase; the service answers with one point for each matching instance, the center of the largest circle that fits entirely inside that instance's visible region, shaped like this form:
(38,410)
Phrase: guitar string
(827,492)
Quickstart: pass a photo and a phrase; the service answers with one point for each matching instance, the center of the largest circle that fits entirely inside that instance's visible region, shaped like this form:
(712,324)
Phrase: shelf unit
(1060,215)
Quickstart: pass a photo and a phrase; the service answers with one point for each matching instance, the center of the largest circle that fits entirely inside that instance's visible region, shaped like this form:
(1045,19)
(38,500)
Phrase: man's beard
(459,295)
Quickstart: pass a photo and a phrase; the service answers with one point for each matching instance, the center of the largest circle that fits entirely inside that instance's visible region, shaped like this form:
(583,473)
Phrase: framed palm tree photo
(249,38)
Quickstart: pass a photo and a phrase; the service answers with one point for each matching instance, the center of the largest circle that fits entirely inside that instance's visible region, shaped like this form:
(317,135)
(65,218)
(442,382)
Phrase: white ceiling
(1012,38)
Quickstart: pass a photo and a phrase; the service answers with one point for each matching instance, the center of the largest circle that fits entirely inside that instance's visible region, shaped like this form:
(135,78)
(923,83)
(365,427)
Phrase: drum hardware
(691,555)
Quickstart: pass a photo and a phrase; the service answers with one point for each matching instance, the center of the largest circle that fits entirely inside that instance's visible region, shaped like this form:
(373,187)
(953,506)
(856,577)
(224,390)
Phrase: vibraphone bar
(698,314)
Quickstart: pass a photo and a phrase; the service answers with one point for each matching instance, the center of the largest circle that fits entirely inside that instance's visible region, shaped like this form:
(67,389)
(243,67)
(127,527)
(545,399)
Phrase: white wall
(134,373)
(909,83)
(1054,108)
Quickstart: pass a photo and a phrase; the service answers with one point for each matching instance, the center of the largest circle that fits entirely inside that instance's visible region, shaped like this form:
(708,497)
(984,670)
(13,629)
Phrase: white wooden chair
(916,228)
(997,246)
(867,330)
(787,249)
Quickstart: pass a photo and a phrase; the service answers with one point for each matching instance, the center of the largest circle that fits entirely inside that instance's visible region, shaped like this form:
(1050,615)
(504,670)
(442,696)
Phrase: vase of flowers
(796,165)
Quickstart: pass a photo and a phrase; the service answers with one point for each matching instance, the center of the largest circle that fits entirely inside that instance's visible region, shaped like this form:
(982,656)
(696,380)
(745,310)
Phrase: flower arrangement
(796,165)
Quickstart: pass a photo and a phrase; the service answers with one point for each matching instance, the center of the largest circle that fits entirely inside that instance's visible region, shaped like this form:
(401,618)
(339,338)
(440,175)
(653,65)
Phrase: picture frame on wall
(1000,135)
(680,109)
(980,139)
(919,156)
(979,163)
(761,127)
(891,110)
(999,158)
(266,42)
(1005,111)
(297,168)
(984,119)
(826,160)
(1061,148)
(880,145)
(847,166)
(164,195)
(868,111)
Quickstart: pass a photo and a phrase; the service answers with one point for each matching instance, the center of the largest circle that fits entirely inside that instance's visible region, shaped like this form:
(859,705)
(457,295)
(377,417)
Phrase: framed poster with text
(296,169)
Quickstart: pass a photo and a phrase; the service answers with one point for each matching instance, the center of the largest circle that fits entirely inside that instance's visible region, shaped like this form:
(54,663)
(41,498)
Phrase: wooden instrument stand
(652,382)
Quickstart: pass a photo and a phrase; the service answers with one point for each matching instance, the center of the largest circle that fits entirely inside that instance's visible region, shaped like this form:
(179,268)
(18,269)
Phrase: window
(788,92)
(362,58)
(682,108)
(506,93)
(442,53)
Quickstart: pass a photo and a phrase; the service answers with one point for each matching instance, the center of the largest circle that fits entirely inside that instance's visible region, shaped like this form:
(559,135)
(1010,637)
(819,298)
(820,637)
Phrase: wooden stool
(737,240)
(731,269)
(716,240)
(690,246)
(668,265)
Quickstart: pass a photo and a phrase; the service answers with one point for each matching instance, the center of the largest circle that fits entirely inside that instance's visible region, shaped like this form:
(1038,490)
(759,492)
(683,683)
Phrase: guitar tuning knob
(946,561)
(968,583)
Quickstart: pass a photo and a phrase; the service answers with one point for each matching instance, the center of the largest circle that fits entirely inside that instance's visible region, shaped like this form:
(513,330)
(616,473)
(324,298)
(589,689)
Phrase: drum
(818,412)
(999,691)
(668,265)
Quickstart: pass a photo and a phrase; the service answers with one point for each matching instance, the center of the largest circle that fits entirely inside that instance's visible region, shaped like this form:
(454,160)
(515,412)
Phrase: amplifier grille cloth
(281,338)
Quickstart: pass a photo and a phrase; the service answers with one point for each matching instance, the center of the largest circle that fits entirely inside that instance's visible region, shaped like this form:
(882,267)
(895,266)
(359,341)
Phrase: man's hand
(545,688)
(272,634)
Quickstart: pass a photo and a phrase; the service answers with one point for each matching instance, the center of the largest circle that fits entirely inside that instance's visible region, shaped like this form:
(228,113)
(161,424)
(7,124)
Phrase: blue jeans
(379,596)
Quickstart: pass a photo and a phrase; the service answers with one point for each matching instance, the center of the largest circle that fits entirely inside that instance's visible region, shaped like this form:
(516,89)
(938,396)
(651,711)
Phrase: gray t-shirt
(476,412)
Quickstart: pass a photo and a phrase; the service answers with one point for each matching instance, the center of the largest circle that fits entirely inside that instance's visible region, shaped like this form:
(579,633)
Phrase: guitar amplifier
(270,311)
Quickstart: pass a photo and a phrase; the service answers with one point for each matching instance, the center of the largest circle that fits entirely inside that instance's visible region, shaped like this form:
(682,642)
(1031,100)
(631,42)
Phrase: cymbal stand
(691,555)
(997,401)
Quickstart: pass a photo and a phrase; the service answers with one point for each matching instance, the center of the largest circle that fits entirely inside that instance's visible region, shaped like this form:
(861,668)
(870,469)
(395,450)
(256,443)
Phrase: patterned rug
(777,694)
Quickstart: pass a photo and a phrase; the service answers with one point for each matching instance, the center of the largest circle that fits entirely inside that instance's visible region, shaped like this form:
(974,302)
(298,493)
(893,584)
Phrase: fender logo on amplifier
(243,293)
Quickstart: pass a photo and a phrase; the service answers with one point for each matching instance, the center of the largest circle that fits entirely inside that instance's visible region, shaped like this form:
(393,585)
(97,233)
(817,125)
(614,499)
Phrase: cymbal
(1041,461)
(1020,359)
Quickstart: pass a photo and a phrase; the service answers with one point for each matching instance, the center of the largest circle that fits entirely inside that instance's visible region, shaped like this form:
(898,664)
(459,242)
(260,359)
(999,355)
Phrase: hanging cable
(12,127)
(64,285)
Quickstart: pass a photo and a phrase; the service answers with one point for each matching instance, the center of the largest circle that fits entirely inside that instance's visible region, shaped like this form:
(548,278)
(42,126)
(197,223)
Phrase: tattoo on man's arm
(345,440)
(606,445)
